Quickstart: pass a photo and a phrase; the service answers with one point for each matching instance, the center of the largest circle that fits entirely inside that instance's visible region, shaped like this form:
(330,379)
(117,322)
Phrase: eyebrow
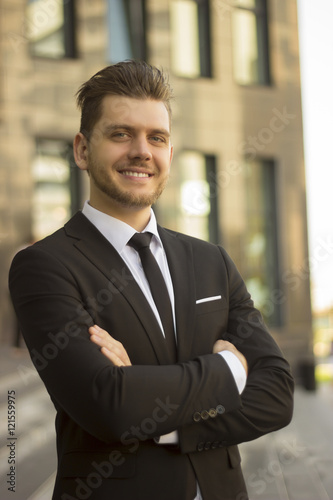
(121,126)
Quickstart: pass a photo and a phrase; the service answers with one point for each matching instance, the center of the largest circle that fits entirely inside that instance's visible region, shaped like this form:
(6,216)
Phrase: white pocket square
(209,299)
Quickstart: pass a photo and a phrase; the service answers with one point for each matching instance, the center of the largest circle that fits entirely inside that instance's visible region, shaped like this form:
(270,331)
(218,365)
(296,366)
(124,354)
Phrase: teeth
(135,174)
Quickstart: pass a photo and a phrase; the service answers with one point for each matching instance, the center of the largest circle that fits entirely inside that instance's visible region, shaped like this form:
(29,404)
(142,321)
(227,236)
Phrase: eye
(157,138)
(119,135)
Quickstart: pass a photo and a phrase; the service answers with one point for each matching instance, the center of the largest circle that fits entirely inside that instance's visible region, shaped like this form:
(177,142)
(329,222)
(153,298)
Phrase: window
(250,42)
(50,28)
(256,245)
(198,195)
(190,38)
(126,30)
(56,187)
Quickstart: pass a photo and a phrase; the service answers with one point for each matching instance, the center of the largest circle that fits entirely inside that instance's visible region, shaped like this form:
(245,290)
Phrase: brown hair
(136,79)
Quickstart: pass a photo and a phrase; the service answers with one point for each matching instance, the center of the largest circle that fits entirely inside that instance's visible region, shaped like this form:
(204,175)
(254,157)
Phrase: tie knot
(140,240)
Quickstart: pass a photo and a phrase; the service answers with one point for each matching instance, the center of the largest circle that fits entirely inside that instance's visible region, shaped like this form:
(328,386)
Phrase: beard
(120,195)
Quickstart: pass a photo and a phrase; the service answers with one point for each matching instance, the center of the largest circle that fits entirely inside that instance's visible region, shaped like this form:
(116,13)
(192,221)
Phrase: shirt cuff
(236,368)
(171,438)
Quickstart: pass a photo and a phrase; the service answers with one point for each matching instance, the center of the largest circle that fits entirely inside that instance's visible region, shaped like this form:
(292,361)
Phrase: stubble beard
(125,198)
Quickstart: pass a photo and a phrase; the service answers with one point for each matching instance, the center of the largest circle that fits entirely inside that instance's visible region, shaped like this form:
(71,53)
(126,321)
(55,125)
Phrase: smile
(135,174)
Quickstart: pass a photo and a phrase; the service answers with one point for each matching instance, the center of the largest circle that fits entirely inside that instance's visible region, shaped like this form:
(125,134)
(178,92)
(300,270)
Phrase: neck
(135,217)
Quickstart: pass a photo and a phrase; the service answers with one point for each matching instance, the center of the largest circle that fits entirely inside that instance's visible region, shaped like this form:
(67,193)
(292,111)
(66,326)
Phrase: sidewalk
(27,434)
(295,463)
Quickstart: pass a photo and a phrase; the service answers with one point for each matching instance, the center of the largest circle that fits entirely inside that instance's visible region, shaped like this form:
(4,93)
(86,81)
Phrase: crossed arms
(116,353)
(98,394)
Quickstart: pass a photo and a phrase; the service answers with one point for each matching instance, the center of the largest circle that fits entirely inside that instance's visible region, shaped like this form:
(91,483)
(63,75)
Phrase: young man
(147,407)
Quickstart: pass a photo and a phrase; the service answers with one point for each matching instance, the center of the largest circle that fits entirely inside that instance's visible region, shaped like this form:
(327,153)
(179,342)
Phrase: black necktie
(140,242)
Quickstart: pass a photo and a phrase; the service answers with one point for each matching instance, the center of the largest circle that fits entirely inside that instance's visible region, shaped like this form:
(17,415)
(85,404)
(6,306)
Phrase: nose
(140,149)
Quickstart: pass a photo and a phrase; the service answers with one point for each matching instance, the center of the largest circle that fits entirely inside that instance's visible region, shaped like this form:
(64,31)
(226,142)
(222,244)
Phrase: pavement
(295,463)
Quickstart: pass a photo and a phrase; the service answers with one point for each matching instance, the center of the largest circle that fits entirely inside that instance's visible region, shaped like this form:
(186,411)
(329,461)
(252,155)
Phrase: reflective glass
(45,28)
(257,240)
(195,195)
(185,55)
(247,4)
(51,200)
(119,46)
(245,46)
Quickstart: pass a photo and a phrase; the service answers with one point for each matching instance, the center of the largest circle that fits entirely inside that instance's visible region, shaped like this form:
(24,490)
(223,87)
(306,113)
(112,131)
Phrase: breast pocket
(210,324)
(210,304)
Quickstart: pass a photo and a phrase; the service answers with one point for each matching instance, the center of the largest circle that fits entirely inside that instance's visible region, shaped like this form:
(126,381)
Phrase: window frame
(270,225)
(74,182)
(261,13)
(137,31)
(209,177)
(204,41)
(69,35)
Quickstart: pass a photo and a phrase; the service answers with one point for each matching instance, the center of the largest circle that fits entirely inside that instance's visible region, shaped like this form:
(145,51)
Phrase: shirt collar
(117,232)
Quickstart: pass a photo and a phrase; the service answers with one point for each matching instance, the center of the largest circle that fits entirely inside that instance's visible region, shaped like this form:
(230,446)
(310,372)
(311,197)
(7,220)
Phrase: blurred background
(252,124)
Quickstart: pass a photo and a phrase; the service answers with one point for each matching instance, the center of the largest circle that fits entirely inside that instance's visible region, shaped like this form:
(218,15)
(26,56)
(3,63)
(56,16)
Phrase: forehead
(147,113)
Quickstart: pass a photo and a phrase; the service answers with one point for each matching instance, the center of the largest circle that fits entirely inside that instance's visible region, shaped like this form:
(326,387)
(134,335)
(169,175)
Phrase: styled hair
(136,79)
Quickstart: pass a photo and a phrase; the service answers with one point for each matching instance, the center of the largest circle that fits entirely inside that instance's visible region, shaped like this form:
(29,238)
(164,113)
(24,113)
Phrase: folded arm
(97,395)
(267,400)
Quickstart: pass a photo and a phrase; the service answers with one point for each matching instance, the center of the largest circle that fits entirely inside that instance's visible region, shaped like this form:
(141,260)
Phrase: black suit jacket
(108,417)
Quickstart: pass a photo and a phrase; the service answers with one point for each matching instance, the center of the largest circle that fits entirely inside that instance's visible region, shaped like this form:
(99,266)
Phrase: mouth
(135,173)
(131,173)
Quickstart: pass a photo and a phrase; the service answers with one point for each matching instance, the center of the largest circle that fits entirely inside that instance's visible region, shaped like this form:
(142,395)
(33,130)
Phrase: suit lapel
(97,249)
(180,261)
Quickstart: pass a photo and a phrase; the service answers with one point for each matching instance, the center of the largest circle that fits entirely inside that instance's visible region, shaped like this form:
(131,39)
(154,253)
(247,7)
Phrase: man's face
(129,152)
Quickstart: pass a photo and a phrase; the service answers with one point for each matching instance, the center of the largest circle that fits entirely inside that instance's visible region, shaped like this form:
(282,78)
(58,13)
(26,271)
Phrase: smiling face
(128,155)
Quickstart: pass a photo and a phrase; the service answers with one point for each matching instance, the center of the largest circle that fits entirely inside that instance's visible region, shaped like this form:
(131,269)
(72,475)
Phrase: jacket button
(220,409)
(204,415)
(207,445)
(212,413)
(197,417)
(200,446)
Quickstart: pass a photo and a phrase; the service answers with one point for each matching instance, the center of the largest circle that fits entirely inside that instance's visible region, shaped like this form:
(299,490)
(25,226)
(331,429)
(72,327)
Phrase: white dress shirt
(118,233)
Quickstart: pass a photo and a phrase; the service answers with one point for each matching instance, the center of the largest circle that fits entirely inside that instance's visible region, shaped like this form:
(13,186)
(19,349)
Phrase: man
(146,409)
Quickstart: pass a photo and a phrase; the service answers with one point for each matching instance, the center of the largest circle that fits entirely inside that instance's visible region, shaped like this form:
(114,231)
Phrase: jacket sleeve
(267,400)
(99,397)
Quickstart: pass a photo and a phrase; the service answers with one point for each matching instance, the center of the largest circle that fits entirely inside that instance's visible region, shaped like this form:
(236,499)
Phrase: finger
(114,346)
(105,336)
(115,360)
(96,330)
(117,357)
(221,345)
(98,340)
(108,344)
(98,335)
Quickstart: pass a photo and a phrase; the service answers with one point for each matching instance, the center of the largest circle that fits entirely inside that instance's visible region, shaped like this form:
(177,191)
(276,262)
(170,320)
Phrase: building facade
(238,169)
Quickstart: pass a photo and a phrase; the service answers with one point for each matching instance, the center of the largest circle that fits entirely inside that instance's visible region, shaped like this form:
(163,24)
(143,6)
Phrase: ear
(80,149)
(171,154)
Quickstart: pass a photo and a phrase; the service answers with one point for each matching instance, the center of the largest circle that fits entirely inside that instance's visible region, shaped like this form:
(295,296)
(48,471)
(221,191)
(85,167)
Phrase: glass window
(126,30)
(190,38)
(54,194)
(50,28)
(248,4)
(257,245)
(198,196)
(250,42)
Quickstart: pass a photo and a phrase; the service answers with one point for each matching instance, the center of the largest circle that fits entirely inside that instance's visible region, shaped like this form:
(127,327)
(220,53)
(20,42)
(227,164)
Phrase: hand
(110,347)
(224,345)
